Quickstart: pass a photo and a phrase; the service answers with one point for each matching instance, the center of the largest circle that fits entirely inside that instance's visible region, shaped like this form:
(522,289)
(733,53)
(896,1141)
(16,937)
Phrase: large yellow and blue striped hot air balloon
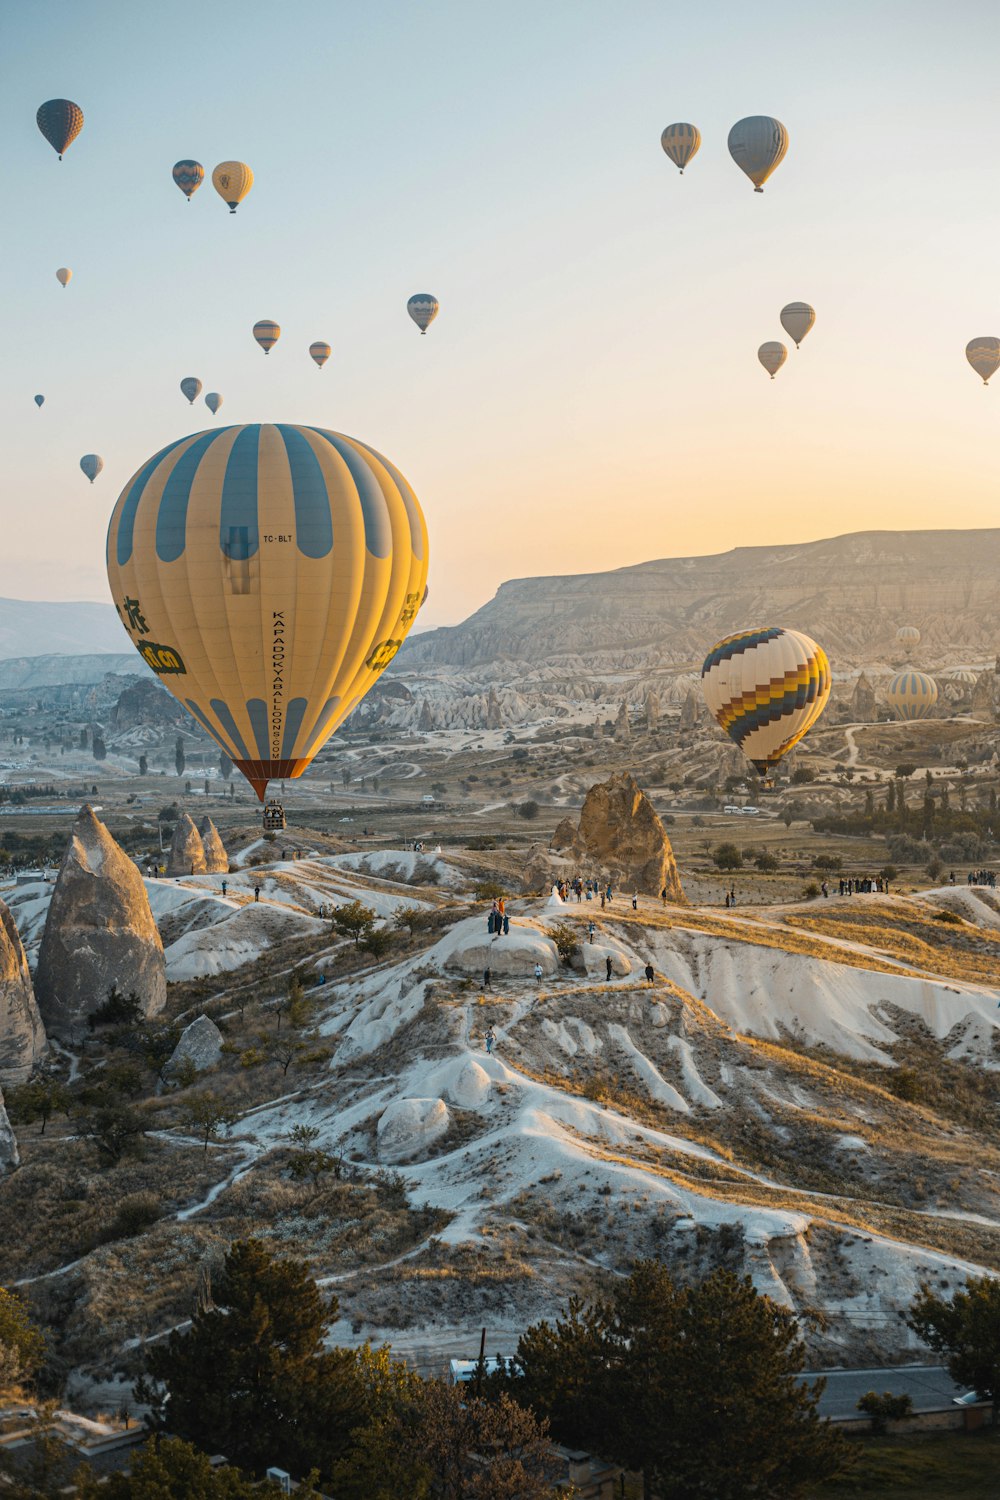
(766,687)
(267,333)
(268,575)
(912,695)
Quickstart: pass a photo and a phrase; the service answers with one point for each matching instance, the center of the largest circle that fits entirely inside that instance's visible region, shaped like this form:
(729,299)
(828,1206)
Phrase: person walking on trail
(491,1037)
(590,933)
(538,973)
(609,893)
(256,893)
(506,923)
(635,900)
(608,966)
(225,886)
(602,898)
(663,896)
(487,978)
(650,973)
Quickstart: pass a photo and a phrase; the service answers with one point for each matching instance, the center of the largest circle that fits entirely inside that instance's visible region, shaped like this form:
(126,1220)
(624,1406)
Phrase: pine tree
(967,1331)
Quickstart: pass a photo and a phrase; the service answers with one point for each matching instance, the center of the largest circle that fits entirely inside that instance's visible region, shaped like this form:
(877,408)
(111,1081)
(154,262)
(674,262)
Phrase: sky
(589,396)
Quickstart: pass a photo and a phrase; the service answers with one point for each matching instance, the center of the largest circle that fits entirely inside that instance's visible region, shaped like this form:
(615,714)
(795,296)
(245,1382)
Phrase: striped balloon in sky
(680,142)
(758,145)
(267,333)
(766,687)
(189,176)
(423,308)
(268,575)
(912,695)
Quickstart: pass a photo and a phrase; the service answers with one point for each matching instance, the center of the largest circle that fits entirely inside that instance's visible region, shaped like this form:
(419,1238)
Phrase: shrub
(811,891)
(767,862)
(727,857)
(801,776)
(885,1408)
(564,937)
(828,862)
(135,1213)
(489,890)
(528,810)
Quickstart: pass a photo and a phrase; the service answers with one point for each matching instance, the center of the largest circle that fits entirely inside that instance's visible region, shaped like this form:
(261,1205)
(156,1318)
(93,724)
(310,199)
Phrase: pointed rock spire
(22,1035)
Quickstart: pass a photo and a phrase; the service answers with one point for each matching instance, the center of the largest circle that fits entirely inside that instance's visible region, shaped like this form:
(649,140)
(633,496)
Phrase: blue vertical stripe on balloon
(294,714)
(224,715)
(126,522)
(171,518)
(313,518)
(257,714)
(409,502)
(327,712)
(239,493)
(206,721)
(378,531)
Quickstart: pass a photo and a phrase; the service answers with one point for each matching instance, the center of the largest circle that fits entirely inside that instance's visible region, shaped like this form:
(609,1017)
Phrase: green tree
(727,857)
(115,1128)
(174,1470)
(352,919)
(376,940)
(39,1099)
(209,1117)
(566,939)
(767,862)
(22,1346)
(143,765)
(966,1330)
(179,756)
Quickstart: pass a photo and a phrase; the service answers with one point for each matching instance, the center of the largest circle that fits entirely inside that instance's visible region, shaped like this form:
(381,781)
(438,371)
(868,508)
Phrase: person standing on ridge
(538,973)
(650,973)
(487,978)
(491,1037)
(608,966)
(256,893)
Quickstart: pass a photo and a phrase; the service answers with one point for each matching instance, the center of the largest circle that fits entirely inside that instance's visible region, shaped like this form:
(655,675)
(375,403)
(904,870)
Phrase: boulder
(216,858)
(407,1126)
(470,1088)
(187,852)
(22,1035)
(513,956)
(99,931)
(8,1142)
(620,835)
(595,961)
(200,1045)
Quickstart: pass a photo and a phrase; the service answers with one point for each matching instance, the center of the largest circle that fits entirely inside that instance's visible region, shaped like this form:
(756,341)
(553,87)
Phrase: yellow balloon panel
(268,574)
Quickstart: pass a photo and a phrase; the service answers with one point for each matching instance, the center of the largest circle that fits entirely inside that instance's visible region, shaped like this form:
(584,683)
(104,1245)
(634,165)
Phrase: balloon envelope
(268,575)
(60,121)
(189,176)
(92,464)
(267,333)
(423,309)
(796,319)
(320,352)
(758,145)
(39,400)
(772,356)
(232,181)
(912,695)
(64,275)
(191,387)
(680,142)
(766,687)
(983,355)
(213,401)
(908,635)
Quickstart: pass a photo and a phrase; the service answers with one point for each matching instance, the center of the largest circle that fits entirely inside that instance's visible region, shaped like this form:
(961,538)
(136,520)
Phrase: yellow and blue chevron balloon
(189,176)
(268,575)
(912,695)
(766,687)
(680,142)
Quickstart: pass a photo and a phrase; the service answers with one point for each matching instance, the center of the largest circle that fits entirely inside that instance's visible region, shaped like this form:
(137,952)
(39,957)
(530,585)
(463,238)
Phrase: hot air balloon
(423,309)
(964,676)
(267,334)
(64,276)
(320,352)
(60,121)
(772,356)
(912,695)
(213,401)
(680,142)
(268,575)
(189,176)
(191,388)
(983,355)
(92,464)
(758,145)
(39,400)
(908,635)
(232,181)
(796,319)
(767,688)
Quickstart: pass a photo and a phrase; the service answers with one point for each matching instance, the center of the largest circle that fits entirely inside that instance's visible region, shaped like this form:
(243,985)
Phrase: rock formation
(22,1035)
(216,858)
(99,931)
(691,710)
(620,836)
(863,703)
(622,728)
(652,712)
(984,691)
(409,1125)
(187,852)
(8,1142)
(494,716)
(200,1045)
(426,720)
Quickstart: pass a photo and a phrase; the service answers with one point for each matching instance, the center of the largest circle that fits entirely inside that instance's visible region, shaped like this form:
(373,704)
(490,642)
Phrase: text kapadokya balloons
(189,176)
(983,355)
(423,309)
(772,356)
(92,464)
(64,276)
(912,695)
(320,352)
(60,121)
(191,387)
(232,181)
(268,575)
(39,400)
(213,401)
(796,319)
(680,142)
(758,145)
(766,687)
(267,333)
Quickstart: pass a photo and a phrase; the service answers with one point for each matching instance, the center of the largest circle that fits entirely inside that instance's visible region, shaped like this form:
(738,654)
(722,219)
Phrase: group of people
(861,885)
(981,877)
(498,921)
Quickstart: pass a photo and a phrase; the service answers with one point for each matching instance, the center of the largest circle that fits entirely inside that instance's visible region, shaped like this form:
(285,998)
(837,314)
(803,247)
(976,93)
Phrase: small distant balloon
(680,142)
(772,356)
(232,181)
(213,401)
(64,276)
(758,145)
(423,309)
(796,319)
(39,400)
(92,464)
(983,355)
(320,352)
(60,121)
(267,333)
(189,176)
(191,388)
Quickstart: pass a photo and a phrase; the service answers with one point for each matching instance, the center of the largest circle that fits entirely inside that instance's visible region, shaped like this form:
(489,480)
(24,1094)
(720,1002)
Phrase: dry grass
(960,951)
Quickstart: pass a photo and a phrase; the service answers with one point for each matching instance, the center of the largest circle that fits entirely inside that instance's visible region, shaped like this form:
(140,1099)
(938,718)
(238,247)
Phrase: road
(929,1386)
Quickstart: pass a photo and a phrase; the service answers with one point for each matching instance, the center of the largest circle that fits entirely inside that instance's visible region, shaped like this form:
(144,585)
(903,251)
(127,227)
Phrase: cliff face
(851,592)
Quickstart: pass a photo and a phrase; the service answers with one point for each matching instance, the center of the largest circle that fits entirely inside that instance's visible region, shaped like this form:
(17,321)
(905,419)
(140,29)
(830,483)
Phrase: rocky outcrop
(863,702)
(408,1126)
(99,931)
(187,853)
(8,1142)
(622,730)
(147,702)
(494,714)
(620,835)
(216,858)
(426,719)
(691,710)
(200,1046)
(984,694)
(652,712)
(22,1035)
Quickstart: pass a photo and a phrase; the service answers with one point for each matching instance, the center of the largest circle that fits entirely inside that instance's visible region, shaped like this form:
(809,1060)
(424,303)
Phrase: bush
(565,939)
(767,862)
(135,1213)
(489,890)
(801,776)
(811,891)
(727,857)
(885,1408)
(116,1010)
(889,872)
(831,862)
(528,810)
